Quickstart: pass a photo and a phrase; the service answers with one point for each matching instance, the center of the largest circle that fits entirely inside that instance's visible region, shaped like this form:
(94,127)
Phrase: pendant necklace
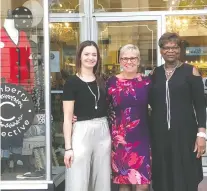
(170,72)
(168,75)
(96,98)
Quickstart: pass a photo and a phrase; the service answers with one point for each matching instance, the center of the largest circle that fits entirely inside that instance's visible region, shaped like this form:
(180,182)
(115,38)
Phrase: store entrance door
(112,33)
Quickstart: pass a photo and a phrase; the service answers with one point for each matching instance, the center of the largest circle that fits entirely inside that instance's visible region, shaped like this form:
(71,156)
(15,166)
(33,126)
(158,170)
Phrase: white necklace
(96,98)
(169,72)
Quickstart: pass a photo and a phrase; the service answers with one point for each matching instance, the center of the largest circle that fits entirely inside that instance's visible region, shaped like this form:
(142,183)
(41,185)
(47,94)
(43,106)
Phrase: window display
(23,118)
(15,50)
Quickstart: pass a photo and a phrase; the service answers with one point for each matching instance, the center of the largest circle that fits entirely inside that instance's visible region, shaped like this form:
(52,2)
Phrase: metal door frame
(157,18)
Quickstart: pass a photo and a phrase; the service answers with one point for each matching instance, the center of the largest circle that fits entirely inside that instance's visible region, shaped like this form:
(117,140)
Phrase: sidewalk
(203,185)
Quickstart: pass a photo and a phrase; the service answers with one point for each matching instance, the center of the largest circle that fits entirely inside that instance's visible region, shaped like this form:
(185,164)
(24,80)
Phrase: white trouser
(91,167)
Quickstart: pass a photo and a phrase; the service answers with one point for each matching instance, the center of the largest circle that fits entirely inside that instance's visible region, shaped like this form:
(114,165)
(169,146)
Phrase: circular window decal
(17,111)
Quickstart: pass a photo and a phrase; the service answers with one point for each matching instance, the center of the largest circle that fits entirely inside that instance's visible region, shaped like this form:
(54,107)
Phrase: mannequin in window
(10,28)
(16,67)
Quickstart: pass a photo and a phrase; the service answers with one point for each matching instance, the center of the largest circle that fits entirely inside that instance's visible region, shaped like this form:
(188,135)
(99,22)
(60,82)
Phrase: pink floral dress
(128,100)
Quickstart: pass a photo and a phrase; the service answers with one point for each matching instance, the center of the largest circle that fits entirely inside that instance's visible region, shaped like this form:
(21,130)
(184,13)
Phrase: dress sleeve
(69,90)
(199,101)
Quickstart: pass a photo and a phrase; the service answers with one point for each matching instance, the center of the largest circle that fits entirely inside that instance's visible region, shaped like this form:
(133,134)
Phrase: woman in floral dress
(128,99)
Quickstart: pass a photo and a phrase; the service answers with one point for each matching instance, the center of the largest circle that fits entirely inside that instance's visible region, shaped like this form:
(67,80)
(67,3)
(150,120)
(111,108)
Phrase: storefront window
(193,30)
(113,35)
(147,5)
(64,40)
(22,124)
(65,6)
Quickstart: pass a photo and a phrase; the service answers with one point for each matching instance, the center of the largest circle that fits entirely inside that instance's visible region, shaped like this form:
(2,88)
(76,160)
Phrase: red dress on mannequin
(16,66)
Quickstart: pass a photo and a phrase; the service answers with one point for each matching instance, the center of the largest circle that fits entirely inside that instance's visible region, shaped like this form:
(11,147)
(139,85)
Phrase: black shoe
(32,175)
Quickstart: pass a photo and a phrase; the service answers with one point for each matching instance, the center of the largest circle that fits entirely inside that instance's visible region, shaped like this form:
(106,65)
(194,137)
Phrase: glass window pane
(22,91)
(149,5)
(57,126)
(114,35)
(192,30)
(64,39)
(65,6)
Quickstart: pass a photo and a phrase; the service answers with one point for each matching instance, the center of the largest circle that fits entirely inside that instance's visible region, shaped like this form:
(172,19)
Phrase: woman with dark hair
(87,141)
(178,121)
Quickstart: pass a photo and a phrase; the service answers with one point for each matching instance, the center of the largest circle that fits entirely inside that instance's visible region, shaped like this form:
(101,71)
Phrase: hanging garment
(16,66)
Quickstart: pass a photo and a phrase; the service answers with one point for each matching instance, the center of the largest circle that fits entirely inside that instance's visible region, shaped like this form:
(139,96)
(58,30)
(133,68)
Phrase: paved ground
(203,185)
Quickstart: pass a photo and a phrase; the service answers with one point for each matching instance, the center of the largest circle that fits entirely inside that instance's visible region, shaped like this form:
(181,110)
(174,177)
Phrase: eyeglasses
(173,48)
(132,59)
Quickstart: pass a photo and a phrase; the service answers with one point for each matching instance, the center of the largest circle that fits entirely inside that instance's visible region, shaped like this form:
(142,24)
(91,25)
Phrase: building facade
(38,46)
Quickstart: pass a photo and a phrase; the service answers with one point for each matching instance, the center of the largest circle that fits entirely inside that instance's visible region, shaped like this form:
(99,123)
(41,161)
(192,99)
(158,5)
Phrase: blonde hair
(130,47)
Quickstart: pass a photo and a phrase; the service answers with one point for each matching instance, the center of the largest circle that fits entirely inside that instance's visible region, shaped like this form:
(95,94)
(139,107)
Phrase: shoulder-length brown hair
(97,68)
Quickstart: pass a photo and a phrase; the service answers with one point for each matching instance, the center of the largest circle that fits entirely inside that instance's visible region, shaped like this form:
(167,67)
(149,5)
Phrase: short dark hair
(169,37)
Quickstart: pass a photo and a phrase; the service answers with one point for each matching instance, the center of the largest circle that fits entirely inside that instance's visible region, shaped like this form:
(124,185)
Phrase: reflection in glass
(64,41)
(193,30)
(64,6)
(114,35)
(57,135)
(177,24)
(143,5)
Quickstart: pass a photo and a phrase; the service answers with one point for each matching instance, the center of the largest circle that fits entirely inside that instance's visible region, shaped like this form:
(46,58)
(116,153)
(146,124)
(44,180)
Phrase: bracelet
(202,134)
(69,149)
